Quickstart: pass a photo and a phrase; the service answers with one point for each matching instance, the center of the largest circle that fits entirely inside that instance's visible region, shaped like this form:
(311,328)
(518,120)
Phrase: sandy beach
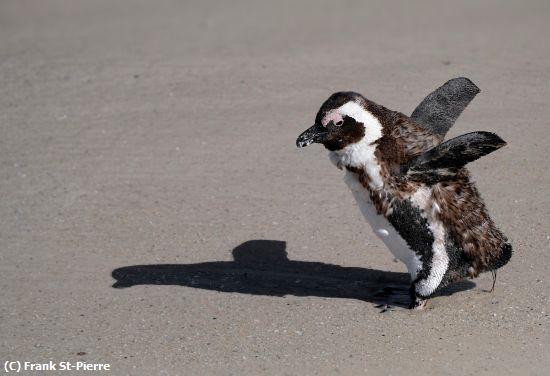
(157,216)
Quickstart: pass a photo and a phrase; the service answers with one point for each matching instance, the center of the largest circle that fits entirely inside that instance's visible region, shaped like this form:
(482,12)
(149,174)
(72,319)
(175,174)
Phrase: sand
(162,132)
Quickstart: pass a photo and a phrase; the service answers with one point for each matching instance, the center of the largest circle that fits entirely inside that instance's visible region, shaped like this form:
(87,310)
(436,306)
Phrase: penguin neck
(362,155)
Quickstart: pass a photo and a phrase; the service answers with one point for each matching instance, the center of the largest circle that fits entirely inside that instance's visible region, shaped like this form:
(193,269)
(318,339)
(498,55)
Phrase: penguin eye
(339,123)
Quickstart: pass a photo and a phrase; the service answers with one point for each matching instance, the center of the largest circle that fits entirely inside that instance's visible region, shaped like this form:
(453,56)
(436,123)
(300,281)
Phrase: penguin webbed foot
(417,302)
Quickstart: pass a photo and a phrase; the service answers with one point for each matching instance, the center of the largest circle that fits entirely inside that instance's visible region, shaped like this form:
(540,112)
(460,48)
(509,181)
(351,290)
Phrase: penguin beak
(315,133)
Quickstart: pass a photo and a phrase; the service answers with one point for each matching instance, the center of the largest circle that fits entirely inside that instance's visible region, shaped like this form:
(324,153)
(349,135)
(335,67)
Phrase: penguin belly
(420,243)
(383,228)
(427,237)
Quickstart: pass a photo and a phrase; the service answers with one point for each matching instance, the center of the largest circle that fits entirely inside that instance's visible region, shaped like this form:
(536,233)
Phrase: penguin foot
(418,304)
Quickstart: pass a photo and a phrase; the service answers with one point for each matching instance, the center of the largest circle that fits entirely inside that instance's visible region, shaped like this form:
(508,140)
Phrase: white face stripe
(373,128)
(361,154)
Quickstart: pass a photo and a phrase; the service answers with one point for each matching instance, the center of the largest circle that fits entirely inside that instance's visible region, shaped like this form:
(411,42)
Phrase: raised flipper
(443,161)
(440,109)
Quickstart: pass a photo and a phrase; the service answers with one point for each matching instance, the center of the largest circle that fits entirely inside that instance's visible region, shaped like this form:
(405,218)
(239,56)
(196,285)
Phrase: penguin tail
(444,161)
(501,260)
(505,256)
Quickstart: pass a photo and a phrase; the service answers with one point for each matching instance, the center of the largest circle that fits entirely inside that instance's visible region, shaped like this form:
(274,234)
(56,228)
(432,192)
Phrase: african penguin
(412,187)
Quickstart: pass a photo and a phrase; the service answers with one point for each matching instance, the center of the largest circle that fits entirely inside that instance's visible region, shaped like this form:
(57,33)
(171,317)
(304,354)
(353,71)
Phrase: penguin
(412,185)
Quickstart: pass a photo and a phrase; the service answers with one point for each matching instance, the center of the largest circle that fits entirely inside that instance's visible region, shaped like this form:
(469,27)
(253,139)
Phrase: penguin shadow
(262,267)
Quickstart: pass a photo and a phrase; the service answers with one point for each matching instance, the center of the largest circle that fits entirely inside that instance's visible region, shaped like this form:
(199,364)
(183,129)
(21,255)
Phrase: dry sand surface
(162,132)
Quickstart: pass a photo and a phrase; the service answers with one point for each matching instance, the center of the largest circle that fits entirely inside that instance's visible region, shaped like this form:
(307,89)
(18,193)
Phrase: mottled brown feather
(461,208)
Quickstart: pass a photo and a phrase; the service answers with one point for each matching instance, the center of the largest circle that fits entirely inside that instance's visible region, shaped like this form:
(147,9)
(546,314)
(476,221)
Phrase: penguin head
(341,121)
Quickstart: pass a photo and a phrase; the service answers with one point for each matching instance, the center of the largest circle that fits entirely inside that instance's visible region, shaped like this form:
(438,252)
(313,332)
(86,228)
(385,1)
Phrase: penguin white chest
(382,227)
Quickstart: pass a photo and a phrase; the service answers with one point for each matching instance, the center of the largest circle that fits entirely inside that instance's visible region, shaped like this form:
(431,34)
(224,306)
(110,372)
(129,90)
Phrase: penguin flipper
(443,161)
(440,109)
